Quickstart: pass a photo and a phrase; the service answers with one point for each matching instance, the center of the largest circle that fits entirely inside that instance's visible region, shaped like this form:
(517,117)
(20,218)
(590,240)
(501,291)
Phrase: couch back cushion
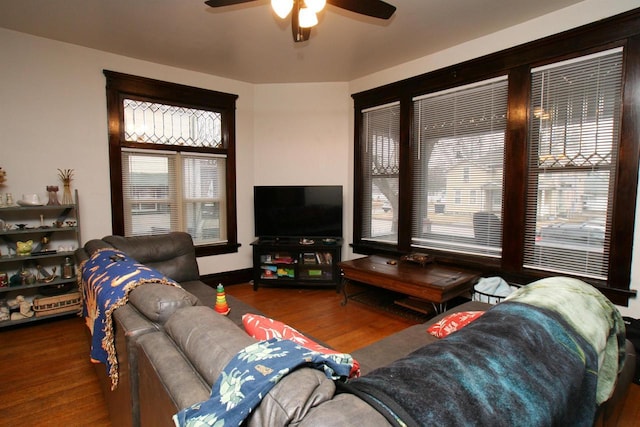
(208,339)
(172,254)
(158,301)
(95,245)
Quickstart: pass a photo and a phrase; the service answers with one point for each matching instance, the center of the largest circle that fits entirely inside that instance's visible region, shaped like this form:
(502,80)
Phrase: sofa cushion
(393,347)
(264,328)
(172,254)
(208,339)
(158,302)
(290,400)
(453,322)
(343,410)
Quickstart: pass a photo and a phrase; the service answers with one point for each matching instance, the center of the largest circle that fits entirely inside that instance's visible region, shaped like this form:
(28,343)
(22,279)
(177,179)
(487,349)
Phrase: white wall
(302,137)
(53,115)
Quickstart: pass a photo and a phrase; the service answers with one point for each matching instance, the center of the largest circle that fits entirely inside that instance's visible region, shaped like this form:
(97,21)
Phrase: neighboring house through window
(172,158)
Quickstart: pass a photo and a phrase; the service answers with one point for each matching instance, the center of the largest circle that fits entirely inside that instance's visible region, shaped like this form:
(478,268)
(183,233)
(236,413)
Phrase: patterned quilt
(106,279)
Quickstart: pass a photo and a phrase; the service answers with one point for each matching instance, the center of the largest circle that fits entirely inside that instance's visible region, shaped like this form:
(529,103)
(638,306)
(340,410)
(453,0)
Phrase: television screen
(301,211)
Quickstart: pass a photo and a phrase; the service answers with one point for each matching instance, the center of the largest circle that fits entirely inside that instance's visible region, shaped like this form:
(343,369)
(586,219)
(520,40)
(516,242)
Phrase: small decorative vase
(66,175)
(67,198)
(53,195)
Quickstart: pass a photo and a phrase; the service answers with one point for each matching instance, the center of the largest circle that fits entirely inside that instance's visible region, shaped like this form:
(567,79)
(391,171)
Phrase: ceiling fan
(303,12)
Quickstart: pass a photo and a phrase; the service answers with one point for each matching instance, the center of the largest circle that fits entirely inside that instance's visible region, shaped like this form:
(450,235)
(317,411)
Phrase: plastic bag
(491,290)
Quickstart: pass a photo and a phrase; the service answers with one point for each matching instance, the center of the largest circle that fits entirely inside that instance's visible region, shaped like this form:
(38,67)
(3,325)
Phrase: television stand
(288,262)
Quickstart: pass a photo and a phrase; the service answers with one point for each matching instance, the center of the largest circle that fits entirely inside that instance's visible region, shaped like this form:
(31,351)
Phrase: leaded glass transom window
(150,122)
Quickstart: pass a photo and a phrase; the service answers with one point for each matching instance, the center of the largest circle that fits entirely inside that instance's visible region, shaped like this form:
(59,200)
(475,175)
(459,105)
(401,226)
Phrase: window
(153,182)
(574,134)
(172,161)
(459,152)
(380,157)
(522,164)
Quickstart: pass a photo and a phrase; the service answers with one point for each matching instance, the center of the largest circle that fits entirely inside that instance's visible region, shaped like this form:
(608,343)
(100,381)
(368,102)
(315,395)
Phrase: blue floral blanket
(251,374)
(106,279)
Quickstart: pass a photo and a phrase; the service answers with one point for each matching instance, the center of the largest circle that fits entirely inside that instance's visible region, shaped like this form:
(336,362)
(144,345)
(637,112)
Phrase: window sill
(225,248)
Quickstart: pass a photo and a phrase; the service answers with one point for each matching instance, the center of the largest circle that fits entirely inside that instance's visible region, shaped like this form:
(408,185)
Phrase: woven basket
(45,306)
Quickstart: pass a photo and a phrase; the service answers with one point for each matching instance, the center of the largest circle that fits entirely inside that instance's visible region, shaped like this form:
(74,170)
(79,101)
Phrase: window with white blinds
(380,153)
(458,161)
(574,132)
(172,161)
(169,191)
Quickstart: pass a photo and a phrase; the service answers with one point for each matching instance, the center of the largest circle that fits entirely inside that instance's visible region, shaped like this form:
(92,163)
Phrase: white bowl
(30,200)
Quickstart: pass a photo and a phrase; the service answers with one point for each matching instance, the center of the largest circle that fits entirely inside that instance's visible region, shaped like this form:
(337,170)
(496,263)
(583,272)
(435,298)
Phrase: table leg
(439,308)
(343,286)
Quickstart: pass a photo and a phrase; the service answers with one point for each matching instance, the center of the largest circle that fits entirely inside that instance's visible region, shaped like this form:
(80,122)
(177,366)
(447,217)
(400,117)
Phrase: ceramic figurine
(24,248)
(25,309)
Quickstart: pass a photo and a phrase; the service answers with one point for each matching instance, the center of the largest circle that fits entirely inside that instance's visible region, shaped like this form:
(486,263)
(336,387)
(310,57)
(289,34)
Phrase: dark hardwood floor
(46,378)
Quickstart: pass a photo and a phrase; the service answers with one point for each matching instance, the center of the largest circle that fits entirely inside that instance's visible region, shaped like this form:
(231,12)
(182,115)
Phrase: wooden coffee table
(432,283)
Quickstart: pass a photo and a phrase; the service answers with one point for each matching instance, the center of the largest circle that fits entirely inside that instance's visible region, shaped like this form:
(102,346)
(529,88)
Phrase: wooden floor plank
(318,313)
(46,378)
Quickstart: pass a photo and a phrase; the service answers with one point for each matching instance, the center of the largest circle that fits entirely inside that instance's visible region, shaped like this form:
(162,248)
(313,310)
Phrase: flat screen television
(298,211)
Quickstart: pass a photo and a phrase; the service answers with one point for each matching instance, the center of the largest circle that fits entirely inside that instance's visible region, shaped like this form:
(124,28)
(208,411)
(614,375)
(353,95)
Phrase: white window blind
(458,168)
(574,134)
(380,159)
(204,201)
(167,191)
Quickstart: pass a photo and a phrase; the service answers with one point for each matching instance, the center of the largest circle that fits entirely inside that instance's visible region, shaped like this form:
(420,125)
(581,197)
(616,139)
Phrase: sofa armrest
(167,380)
(610,411)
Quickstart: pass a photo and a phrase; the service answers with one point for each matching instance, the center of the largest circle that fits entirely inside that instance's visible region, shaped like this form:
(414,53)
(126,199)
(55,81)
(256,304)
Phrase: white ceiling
(250,43)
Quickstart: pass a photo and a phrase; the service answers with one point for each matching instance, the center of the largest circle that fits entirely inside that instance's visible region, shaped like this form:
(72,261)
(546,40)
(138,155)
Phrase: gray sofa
(171,347)
(149,308)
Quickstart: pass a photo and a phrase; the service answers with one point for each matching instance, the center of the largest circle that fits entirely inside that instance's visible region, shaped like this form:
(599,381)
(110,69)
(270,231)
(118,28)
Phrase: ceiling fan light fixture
(316,5)
(282,7)
(307,18)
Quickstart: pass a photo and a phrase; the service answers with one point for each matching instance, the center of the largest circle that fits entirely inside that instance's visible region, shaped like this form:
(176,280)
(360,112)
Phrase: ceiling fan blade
(220,3)
(375,8)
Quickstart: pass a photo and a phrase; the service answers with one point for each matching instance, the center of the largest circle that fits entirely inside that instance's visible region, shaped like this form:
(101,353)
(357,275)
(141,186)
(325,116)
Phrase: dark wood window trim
(621,30)
(120,86)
